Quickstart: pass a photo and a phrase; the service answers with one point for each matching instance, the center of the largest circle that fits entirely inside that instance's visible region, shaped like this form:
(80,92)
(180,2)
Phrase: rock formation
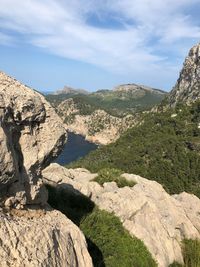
(98,127)
(146,210)
(187,88)
(31,135)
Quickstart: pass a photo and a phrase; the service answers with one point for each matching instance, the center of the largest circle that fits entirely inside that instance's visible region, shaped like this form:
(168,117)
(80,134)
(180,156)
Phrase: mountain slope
(166,146)
(104,115)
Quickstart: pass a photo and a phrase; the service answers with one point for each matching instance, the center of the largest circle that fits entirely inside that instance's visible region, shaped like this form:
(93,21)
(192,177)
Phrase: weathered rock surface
(31,135)
(187,88)
(38,238)
(98,127)
(146,210)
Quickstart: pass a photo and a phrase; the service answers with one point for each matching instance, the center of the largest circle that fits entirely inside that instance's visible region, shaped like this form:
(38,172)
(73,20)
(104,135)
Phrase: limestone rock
(187,88)
(31,135)
(98,127)
(37,238)
(146,210)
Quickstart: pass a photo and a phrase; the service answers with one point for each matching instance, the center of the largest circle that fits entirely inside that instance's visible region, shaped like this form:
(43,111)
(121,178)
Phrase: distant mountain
(71,91)
(104,115)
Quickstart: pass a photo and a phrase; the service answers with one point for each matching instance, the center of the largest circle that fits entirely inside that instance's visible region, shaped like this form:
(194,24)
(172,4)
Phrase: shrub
(112,175)
(191,253)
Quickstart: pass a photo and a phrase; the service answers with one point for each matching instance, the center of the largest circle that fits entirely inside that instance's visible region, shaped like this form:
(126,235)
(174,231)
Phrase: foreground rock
(41,239)
(31,135)
(187,88)
(146,210)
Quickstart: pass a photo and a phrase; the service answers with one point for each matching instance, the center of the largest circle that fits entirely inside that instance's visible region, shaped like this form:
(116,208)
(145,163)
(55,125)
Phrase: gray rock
(37,238)
(187,88)
(146,210)
(31,135)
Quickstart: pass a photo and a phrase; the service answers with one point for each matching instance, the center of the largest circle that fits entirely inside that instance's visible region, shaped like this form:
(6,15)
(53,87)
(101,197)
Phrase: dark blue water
(75,148)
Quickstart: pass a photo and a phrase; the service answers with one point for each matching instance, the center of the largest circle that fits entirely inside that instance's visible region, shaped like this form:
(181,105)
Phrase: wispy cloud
(151,31)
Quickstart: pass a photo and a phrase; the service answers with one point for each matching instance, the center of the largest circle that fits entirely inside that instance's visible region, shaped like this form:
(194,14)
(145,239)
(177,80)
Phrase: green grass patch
(112,175)
(191,254)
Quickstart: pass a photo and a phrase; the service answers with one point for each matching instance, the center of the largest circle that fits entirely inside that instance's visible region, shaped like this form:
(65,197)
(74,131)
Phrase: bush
(119,249)
(112,175)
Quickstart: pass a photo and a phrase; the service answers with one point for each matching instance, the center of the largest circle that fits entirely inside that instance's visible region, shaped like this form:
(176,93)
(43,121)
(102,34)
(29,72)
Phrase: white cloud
(157,28)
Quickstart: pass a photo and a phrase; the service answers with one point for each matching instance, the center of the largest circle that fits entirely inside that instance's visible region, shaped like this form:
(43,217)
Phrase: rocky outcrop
(38,238)
(187,88)
(146,210)
(98,127)
(31,135)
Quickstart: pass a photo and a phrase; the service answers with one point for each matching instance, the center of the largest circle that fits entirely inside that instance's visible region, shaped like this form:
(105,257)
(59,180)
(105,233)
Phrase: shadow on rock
(76,207)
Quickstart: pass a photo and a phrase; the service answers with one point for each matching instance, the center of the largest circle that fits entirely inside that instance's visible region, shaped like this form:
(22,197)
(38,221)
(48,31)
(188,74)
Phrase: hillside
(104,115)
(117,102)
(166,146)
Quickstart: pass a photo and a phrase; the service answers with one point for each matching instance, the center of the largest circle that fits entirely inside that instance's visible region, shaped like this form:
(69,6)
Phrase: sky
(96,44)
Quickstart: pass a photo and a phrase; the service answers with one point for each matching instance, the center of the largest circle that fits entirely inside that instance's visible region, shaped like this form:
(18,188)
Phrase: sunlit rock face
(187,88)
(32,233)
(31,135)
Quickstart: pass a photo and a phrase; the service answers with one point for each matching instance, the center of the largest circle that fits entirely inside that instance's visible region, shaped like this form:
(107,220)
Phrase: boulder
(31,135)
(39,238)
(146,210)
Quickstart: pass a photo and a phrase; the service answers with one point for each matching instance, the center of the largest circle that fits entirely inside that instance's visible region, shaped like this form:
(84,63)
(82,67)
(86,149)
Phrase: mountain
(187,88)
(71,91)
(165,146)
(31,136)
(104,115)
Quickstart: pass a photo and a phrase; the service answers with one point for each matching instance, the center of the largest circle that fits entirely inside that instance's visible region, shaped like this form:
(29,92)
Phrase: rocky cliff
(187,88)
(146,210)
(31,135)
(98,127)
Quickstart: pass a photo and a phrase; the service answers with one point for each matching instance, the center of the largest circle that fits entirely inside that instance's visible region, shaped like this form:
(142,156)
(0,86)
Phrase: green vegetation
(109,244)
(117,103)
(165,148)
(112,175)
(191,254)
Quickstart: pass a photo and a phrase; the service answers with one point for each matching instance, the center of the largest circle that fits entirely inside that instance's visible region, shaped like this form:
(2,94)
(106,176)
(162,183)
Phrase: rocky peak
(187,88)
(136,87)
(69,90)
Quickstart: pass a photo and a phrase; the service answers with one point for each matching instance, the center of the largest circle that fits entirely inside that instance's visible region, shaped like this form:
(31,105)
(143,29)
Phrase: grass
(109,244)
(112,175)
(191,254)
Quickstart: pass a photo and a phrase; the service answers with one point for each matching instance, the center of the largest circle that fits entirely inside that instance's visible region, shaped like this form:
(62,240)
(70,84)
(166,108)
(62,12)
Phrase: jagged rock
(146,210)
(31,135)
(187,88)
(37,238)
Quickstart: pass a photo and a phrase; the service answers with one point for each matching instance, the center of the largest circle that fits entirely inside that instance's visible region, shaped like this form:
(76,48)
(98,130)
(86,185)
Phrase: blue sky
(95,44)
